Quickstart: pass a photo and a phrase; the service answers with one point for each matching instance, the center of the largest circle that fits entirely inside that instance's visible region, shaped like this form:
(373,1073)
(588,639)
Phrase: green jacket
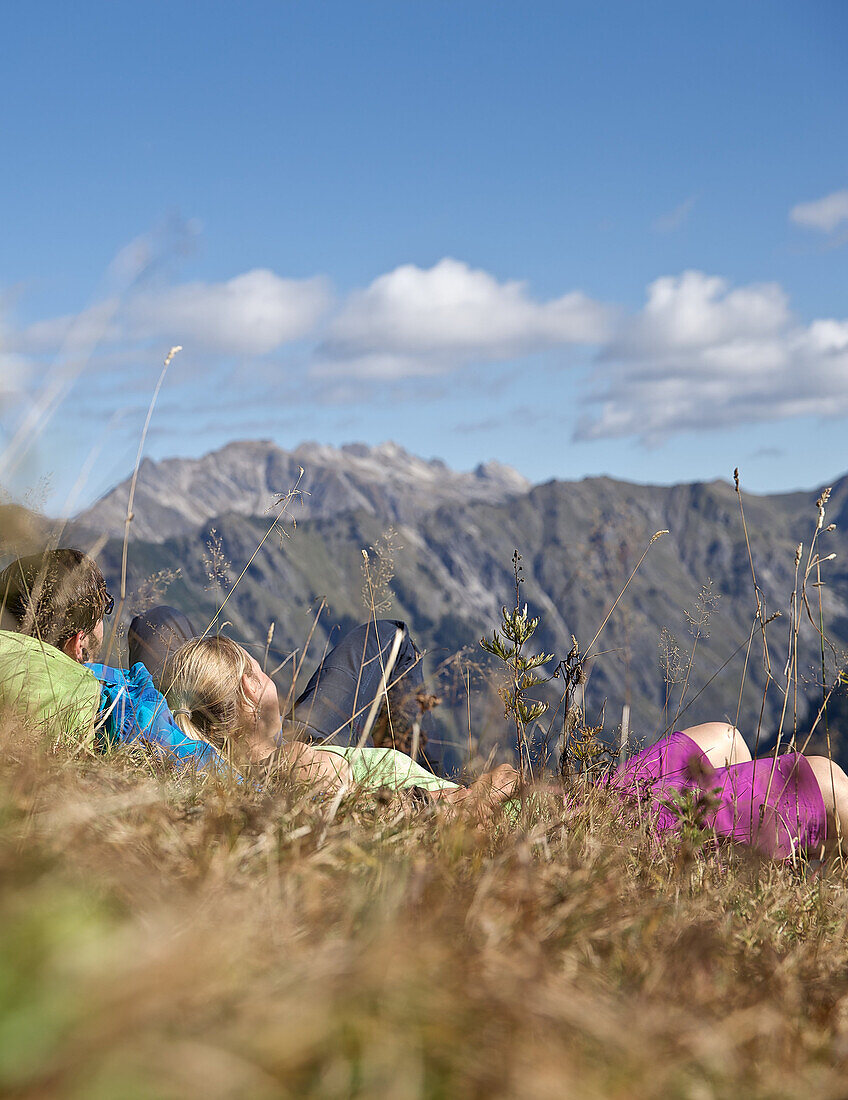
(47,689)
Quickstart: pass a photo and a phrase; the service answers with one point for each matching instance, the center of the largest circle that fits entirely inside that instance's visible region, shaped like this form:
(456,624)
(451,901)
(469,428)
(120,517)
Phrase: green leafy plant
(509,644)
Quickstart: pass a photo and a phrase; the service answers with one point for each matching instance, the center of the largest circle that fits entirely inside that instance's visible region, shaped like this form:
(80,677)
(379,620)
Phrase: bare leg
(722,743)
(833,784)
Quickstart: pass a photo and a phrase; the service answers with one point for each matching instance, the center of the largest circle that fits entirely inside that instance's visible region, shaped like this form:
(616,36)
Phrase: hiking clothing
(335,706)
(132,710)
(775,805)
(46,688)
(93,704)
(375,768)
(154,637)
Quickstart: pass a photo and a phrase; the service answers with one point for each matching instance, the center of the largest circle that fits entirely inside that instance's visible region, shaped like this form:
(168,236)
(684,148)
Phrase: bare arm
(325,771)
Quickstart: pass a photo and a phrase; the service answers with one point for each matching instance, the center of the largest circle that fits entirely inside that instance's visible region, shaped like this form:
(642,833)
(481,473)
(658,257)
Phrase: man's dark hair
(54,595)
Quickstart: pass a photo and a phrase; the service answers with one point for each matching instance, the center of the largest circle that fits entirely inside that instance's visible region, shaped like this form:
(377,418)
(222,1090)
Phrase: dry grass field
(161,939)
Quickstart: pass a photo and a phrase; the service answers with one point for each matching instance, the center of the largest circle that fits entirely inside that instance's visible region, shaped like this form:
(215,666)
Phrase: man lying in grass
(227,712)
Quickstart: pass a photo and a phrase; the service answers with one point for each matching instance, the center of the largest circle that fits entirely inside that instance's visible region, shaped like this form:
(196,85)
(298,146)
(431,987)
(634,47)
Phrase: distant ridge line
(175,496)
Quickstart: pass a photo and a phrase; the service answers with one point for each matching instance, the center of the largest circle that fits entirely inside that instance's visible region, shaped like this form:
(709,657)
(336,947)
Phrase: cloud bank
(250,315)
(824,214)
(416,321)
(701,355)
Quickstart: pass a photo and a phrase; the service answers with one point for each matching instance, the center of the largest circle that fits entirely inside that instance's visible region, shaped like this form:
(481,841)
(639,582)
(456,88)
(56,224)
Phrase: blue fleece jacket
(131,709)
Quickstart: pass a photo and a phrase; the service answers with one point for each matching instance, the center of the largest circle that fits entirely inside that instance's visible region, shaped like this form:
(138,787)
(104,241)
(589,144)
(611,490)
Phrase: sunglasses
(110,605)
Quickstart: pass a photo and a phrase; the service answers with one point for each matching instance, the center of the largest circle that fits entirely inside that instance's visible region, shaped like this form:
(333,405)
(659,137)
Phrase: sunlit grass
(161,939)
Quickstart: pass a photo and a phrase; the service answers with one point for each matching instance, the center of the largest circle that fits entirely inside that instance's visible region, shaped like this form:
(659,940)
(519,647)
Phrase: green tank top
(374,768)
(48,690)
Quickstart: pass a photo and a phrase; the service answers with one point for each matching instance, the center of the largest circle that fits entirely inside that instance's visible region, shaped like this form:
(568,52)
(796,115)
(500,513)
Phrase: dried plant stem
(250,562)
(131,497)
(654,537)
(813,561)
(689,666)
(141,443)
(744,672)
(818,716)
(790,674)
(382,692)
(290,695)
(468,708)
(284,501)
(757,590)
(718,672)
(824,703)
(268,639)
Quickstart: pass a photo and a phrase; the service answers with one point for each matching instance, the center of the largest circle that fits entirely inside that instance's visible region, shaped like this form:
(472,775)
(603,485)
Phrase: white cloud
(824,214)
(250,314)
(423,321)
(703,356)
(14,368)
(674,219)
(700,354)
(695,310)
(70,332)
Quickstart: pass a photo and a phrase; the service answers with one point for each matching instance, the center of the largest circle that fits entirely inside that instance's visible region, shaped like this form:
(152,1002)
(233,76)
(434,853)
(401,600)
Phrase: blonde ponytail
(205,691)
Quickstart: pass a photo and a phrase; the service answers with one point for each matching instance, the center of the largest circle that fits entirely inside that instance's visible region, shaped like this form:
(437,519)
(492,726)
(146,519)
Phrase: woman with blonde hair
(367,691)
(219,693)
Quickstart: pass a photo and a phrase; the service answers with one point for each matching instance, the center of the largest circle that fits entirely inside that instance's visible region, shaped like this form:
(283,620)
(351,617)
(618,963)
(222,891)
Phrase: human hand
(485,795)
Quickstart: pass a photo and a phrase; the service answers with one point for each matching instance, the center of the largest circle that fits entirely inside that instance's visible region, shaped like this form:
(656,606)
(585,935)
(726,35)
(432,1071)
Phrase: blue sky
(578,238)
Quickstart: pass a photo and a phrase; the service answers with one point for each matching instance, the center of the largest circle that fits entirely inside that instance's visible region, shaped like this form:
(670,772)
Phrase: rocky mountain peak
(175,496)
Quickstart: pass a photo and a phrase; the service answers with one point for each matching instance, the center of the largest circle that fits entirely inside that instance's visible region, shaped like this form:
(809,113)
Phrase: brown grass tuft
(165,939)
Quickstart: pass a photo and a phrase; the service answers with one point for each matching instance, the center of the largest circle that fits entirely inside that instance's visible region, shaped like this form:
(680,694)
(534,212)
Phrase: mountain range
(439,547)
(247,478)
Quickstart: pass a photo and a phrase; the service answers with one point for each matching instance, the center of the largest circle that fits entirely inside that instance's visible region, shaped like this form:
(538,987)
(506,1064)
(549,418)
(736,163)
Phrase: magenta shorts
(774,805)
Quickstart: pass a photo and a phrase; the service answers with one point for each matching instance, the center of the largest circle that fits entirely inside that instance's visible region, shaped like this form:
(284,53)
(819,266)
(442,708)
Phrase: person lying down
(218,693)
(227,713)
